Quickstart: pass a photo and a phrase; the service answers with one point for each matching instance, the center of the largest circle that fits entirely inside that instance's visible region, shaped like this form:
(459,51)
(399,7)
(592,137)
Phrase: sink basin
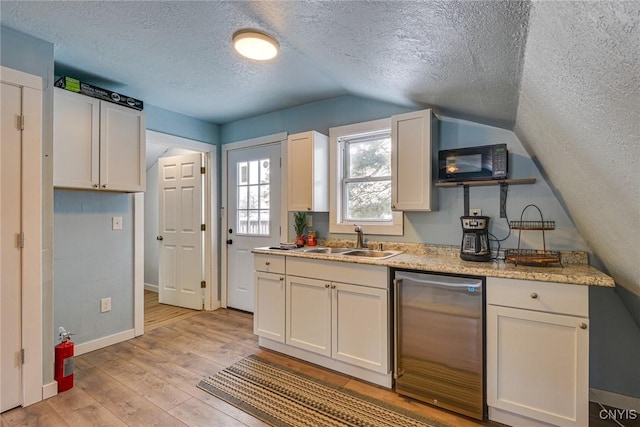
(327,250)
(370,253)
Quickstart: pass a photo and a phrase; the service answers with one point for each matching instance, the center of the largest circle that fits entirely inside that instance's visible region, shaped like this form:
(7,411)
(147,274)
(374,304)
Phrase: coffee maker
(475,238)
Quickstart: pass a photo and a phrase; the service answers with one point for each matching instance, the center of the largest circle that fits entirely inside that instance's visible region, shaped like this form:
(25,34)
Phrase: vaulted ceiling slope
(579,117)
(463,57)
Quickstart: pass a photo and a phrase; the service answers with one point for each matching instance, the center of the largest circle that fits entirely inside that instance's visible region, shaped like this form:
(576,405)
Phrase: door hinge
(21,240)
(203,227)
(21,122)
(280,161)
(203,284)
(22,356)
(203,170)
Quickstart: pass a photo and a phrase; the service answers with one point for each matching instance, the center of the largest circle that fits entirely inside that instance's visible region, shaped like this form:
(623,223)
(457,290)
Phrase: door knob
(229,241)
(159,238)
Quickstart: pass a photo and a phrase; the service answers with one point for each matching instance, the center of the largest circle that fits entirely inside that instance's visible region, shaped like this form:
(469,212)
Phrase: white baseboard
(49,390)
(104,342)
(615,400)
(150,287)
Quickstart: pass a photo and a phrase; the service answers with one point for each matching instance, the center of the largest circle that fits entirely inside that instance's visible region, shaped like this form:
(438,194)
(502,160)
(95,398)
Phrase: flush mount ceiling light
(255,45)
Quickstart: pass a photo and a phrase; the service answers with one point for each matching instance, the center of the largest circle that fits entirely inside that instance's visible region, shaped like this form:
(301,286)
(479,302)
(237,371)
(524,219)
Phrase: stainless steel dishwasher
(439,340)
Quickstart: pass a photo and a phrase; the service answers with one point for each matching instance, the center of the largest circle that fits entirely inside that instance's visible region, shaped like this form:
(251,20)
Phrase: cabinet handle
(267,263)
(583,325)
(95,186)
(326,285)
(393,206)
(104,185)
(281,279)
(534,295)
(333,286)
(308,208)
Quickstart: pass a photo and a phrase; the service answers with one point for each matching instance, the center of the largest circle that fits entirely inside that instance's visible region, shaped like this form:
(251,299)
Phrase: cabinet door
(538,365)
(269,310)
(308,172)
(76,140)
(360,327)
(411,162)
(308,314)
(122,148)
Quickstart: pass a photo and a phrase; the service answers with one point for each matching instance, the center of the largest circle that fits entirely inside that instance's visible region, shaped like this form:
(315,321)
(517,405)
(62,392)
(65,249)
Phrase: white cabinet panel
(412,144)
(268,317)
(122,148)
(537,362)
(308,172)
(97,144)
(360,326)
(76,148)
(308,314)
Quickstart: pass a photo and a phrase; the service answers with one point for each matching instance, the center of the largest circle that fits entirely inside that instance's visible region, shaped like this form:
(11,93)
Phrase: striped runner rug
(282,397)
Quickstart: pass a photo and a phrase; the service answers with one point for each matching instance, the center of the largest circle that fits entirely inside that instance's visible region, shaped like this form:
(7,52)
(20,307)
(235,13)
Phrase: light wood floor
(151,380)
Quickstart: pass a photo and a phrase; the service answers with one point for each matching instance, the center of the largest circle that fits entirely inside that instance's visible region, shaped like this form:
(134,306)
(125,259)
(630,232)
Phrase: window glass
(253,198)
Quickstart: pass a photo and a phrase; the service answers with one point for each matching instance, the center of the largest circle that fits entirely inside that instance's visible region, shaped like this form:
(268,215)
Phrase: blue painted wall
(319,116)
(92,261)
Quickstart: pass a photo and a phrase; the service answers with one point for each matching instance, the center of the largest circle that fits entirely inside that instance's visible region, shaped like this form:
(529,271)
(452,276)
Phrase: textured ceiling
(464,58)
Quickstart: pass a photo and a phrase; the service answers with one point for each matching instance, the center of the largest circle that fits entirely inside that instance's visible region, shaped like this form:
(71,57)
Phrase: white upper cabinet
(308,172)
(413,140)
(97,144)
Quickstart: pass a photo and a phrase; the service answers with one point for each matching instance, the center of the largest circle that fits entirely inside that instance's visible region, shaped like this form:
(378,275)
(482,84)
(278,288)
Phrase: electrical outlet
(475,212)
(309,220)
(116,223)
(105,305)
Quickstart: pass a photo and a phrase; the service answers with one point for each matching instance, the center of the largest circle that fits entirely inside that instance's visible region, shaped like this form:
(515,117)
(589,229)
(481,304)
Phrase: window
(253,198)
(361,177)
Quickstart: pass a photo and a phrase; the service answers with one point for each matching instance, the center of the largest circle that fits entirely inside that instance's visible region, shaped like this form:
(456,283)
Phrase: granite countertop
(446,259)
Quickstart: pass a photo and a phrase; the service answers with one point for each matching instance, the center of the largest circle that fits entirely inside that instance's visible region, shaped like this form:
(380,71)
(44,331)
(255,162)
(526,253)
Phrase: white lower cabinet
(269,289)
(333,314)
(308,314)
(537,353)
(360,326)
(268,315)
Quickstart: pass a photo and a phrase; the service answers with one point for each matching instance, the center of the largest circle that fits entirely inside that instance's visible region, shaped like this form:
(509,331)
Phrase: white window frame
(336,172)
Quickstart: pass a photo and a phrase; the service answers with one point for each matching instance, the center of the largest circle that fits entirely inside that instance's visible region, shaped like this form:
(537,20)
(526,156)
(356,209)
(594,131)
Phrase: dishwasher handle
(397,371)
(472,283)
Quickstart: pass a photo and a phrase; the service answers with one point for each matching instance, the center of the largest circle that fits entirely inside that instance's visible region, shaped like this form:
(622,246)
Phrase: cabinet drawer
(540,296)
(334,271)
(268,263)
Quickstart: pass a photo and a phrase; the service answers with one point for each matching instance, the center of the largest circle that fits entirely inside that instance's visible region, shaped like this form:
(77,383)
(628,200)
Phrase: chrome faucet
(359,237)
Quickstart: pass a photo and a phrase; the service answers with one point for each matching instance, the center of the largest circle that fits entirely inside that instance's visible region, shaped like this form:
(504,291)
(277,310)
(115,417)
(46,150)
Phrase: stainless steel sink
(327,250)
(371,253)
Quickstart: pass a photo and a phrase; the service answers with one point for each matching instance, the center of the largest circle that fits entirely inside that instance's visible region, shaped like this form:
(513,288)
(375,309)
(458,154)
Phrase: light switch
(116,223)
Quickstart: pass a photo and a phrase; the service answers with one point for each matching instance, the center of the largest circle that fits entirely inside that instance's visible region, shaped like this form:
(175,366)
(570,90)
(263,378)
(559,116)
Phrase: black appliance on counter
(475,238)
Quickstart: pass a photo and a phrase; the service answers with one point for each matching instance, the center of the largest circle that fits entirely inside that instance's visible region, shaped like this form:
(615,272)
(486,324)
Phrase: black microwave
(473,163)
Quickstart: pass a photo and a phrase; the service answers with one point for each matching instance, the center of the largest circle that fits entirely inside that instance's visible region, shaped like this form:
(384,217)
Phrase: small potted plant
(299,224)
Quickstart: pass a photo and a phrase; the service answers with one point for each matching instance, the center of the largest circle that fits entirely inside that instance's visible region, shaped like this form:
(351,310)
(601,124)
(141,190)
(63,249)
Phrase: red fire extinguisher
(64,361)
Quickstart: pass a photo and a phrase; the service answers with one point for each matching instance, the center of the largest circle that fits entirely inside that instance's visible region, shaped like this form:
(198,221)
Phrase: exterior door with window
(253,218)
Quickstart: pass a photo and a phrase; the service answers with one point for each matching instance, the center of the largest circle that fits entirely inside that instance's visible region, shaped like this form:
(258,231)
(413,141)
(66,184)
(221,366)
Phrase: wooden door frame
(211,300)
(276,138)
(32,304)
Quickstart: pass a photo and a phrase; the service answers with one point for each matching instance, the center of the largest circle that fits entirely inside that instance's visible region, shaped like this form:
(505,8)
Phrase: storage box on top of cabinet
(308,172)
(97,145)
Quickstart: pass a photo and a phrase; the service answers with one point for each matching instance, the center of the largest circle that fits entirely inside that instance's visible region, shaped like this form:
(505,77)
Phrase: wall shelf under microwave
(503,183)
(517,181)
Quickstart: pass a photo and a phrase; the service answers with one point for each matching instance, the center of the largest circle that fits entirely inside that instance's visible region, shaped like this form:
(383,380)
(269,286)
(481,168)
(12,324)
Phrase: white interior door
(253,192)
(181,237)
(10,252)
